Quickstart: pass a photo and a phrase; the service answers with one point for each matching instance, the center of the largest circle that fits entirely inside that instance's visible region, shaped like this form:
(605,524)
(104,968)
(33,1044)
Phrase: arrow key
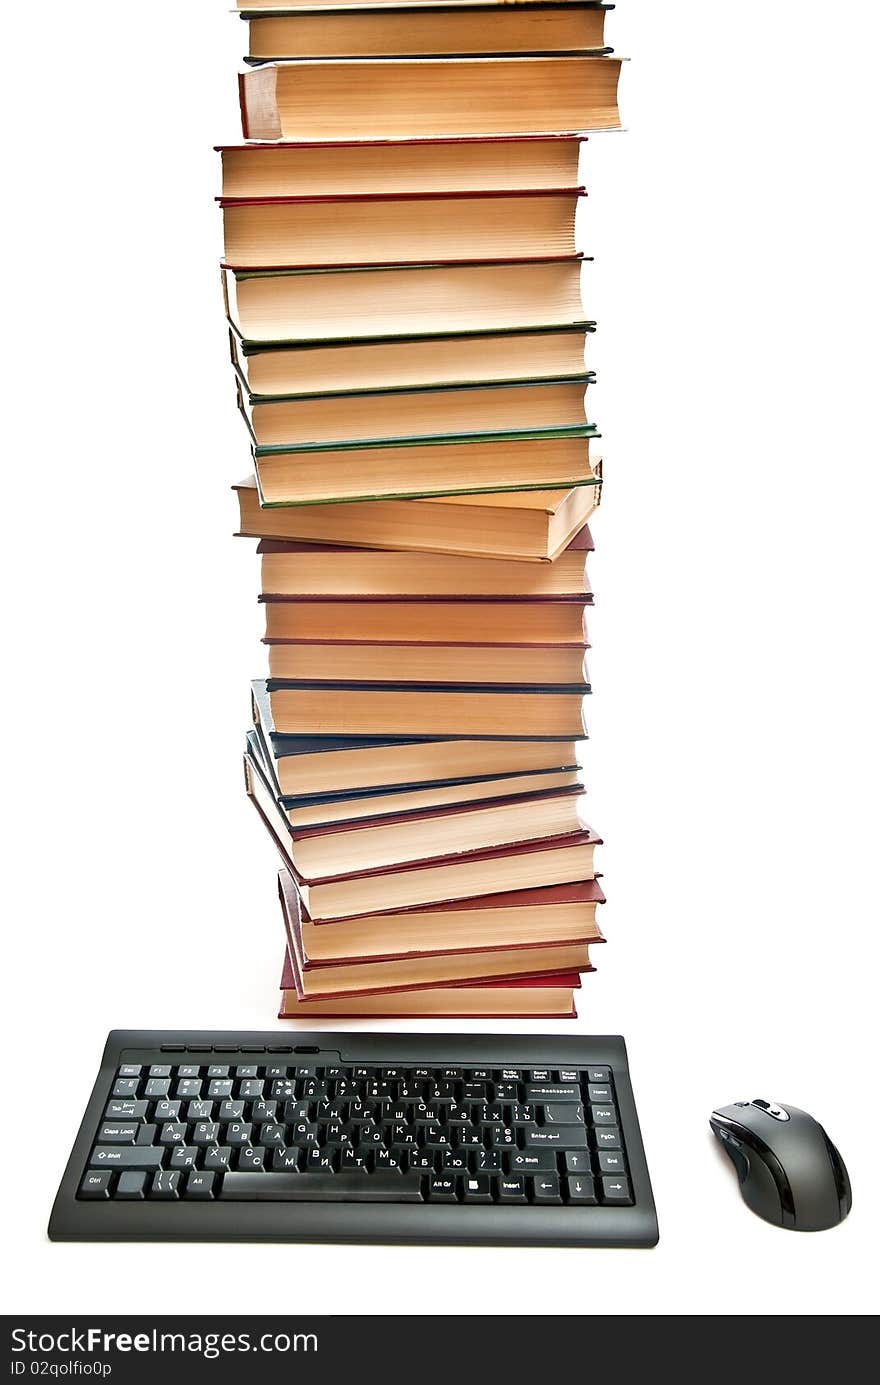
(545,1188)
(615,1191)
(581,1191)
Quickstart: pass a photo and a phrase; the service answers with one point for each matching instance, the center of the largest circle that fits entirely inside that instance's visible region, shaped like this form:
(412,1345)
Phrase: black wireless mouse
(789,1171)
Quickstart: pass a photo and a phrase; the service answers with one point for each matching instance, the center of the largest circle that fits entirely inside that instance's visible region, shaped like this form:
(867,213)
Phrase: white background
(733,768)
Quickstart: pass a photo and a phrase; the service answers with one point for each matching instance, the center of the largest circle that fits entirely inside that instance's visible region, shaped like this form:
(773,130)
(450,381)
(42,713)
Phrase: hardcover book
(339,367)
(497,923)
(313,571)
(462,164)
(413,228)
(524,526)
(400,98)
(284,307)
(376,417)
(349,978)
(464,30)
(523,865)
(304,766)
(411,469)
(547,997)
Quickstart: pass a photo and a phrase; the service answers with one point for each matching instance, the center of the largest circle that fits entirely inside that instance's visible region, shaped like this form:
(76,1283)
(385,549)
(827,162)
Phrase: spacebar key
(313,1187)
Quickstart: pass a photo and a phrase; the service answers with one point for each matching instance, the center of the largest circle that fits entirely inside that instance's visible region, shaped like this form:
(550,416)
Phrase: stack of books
(408,342)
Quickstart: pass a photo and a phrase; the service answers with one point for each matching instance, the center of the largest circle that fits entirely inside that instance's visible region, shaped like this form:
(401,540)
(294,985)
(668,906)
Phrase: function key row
(390,1074)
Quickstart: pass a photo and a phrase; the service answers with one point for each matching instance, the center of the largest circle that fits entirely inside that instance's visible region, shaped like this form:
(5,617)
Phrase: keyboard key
(166,1111)
(189,1089)
(95,1187)
(552,1091)
(533,1163)
(598,1074)
(147,1134)
(441,1188)
(252,1160)
(487,1161)
(230,1111)
(545,1188)
(247,1070)
(567,1075)
(160,1070)
(188,1070)
(599,1092)
(424,1161)
(616,1191)
(126,1110)
(287,1160)
(477,1189)
(218,1157)
(317,1161)
(157,1087)
(454,1161)
(183,1157)
(165,1186)
(611,1161)
(563,1114)
(173,1133)
(130,1070)
(577,1161)
(200,1185)
(117,1133)
(511,1189)
(581,1190)
(603,1115)
(199,1111)
(239,1133)
(125,1086)
(607,1137)
(540,1075)
(556,1137)
(218,1070)
(338,1187)
(131,1186)
(356,1159)
(128,1157)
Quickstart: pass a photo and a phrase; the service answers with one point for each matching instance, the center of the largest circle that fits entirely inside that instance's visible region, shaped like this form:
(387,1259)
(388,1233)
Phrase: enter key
(557,1137)
(563,1114)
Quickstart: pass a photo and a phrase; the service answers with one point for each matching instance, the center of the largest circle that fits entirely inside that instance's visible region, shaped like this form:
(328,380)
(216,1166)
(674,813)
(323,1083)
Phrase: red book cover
(432,196)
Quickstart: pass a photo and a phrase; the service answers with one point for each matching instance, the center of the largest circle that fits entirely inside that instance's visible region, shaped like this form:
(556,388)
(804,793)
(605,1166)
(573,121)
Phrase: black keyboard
(479,1139)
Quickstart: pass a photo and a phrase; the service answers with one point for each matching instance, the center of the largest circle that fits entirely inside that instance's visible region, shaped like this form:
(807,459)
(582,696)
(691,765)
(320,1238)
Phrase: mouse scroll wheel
(771,1108)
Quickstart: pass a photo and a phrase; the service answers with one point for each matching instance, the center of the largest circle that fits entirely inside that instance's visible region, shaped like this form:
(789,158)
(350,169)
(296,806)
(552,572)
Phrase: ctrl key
(95,1187)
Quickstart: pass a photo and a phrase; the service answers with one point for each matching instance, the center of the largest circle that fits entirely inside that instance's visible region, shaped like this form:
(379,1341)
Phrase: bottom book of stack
(511,955)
